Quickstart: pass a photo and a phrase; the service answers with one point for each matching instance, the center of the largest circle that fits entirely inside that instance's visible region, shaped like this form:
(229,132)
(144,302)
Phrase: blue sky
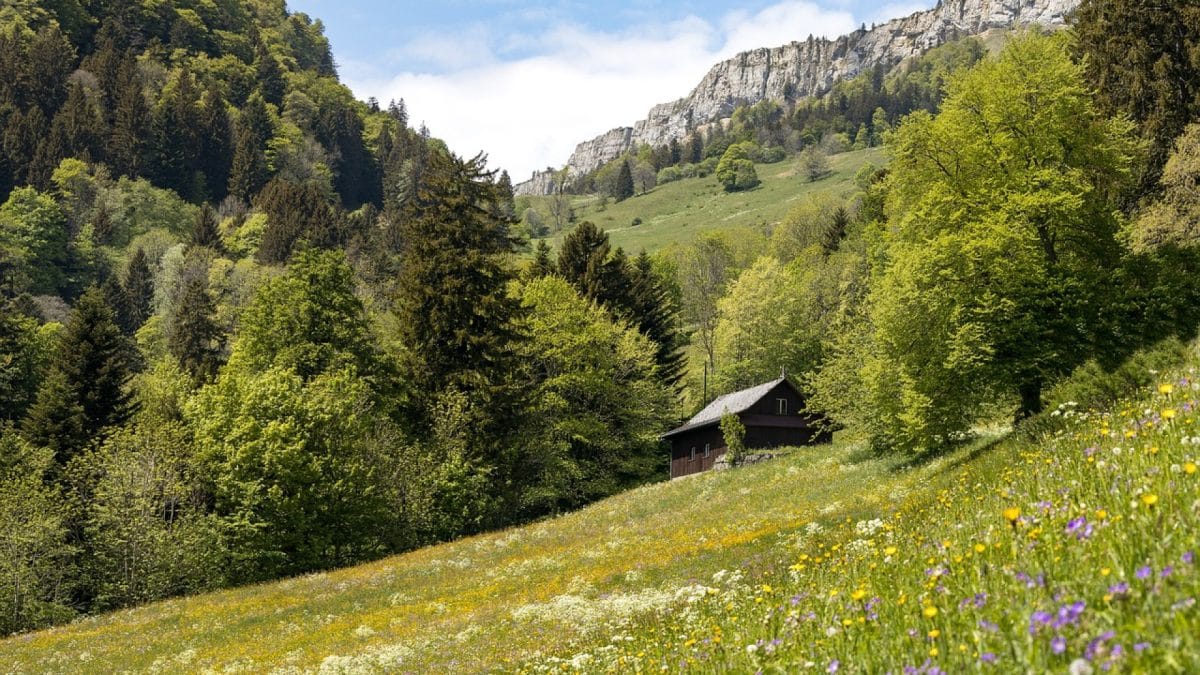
(526,81)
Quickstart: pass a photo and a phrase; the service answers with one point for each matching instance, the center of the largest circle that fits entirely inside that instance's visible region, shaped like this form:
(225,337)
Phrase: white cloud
(530,112)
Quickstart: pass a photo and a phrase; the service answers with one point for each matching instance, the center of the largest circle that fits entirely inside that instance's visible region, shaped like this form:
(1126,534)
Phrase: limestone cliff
(801,69)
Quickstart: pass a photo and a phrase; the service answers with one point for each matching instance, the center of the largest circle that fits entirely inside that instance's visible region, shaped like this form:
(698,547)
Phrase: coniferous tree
(204,230)
(130,123)
(1144,60)
(195,339)
(102,225)
(79,126)
(51,58)
(453,308)
(832,238)
(656,316)
(543,265)
(85,390)
(269,75)
(295,214)
(139,290)
(18,362)
(215,145)
(22,136)
(249,171)
(624,187)
(586,260)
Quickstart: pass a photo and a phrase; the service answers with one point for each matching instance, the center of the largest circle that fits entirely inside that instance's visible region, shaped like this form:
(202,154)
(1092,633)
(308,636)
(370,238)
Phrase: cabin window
(693,453)
(781,406)
(707,449)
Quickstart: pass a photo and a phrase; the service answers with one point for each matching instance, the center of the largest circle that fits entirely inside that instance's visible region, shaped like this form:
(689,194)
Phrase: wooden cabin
(773,414)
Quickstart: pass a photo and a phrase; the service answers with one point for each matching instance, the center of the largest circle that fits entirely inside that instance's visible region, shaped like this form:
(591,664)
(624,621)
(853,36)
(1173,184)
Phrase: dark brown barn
(772,414)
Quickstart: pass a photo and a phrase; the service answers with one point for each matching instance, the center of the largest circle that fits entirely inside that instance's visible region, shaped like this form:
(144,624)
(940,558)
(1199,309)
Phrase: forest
(252,327)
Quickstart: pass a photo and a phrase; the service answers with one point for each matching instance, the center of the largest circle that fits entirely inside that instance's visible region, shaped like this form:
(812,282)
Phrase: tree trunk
(1031,399)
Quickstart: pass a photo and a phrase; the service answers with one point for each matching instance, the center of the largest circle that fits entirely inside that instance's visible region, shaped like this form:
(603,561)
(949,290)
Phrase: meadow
(676,212)
(1069,548)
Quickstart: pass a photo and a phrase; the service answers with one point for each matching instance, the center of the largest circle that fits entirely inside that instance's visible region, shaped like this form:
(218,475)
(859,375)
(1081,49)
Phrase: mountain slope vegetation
(1083,549)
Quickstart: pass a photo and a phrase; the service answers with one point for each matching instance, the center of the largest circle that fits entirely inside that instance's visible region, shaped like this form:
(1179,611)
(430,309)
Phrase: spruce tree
(215,145)
(586,260)
(655,314)
(543,265)
(22,136)
(80,127)
(139,290)
(204,230)
(102,225)
(131,123)
(271,83)
(453,308)
(248,174)
(624,187)
(195,338)
(51,58)
(85,390)
(831,238)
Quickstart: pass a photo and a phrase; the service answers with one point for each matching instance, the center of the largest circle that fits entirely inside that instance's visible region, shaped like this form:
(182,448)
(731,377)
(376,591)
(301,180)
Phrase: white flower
(750,649)
(1080,667)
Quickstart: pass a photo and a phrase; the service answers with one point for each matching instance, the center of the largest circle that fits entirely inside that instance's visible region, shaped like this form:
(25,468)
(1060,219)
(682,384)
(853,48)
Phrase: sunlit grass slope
(1006,555)
(678,211)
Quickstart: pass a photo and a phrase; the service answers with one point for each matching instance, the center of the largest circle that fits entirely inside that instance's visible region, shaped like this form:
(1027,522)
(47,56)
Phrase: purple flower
(1119,589)
(1038,619)
(1058,645)
(1144,572)
(833,666)
(1188,557)
(1166,571)
(988,626)
(1140,647)
(987,657)
(1094,647)
(1080,527)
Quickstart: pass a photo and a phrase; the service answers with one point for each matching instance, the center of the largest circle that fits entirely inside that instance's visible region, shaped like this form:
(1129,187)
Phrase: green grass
(676,212)
(825,554)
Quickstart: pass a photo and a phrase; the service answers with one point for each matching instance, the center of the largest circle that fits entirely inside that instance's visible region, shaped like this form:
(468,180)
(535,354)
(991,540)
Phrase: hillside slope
(798,70)
(1007,553)
(676,212)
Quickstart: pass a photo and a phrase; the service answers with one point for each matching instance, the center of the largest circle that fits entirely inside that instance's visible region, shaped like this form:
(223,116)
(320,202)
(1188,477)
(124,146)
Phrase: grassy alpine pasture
(1072,549)
(676,212)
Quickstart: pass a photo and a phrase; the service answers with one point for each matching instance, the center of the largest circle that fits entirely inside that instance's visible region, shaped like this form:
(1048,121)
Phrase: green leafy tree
(35,557)
(20,361)
(291,469)
(736,168)
(763,327)
(813,163)
(308,322)
(34,229)
(597,404)
(996,267)
(148,535)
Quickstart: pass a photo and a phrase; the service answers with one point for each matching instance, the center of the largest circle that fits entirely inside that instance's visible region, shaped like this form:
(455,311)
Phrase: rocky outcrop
(801,69)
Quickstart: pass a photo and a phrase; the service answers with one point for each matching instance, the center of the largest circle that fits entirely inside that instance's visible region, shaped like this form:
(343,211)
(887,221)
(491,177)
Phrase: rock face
(801,69)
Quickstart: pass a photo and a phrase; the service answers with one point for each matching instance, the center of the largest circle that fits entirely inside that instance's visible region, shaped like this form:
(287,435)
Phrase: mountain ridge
(799,70)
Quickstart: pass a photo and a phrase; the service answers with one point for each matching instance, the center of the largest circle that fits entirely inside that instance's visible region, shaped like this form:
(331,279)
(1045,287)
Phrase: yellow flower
(980,548)
(1189,468)
(1101,514)
(930,612)
(890,550)
(933,651)
(1153,450)
(858,595)
(1011,514)
(1105,571)
(1166,388)
(1168,414)
(933,634)
(1150,499)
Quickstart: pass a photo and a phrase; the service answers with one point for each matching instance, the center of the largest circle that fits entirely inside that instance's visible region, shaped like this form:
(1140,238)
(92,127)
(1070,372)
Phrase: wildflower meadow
(1069,549)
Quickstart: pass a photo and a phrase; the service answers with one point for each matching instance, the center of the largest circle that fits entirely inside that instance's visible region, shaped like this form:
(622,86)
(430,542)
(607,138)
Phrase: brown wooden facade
(771,414)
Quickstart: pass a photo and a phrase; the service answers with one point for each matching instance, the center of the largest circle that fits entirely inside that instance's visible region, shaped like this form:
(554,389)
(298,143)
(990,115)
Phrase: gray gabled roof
(737,402)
